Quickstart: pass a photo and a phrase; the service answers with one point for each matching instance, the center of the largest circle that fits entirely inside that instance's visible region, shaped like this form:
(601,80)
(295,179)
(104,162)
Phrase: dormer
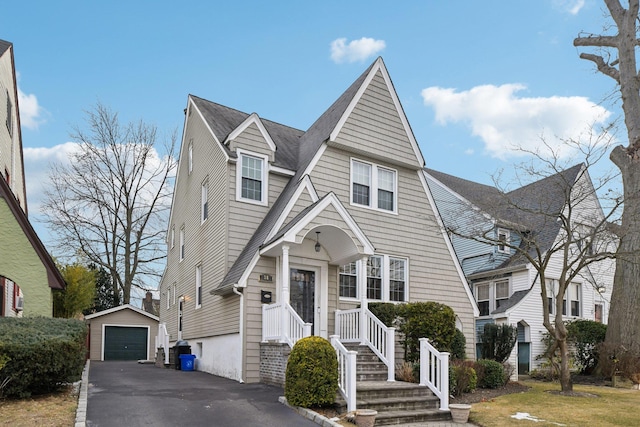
(252,136)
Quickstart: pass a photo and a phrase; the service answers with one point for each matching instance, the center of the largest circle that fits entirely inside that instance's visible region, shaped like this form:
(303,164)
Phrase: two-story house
(505,285)
(277,233)
(27,273)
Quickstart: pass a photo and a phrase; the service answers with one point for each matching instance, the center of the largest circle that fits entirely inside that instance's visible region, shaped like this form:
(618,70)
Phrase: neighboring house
(277,233)
(505,285)
(122,333)
(27,272)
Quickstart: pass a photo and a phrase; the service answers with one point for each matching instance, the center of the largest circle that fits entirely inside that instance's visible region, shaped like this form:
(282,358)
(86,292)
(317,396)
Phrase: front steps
(397,402)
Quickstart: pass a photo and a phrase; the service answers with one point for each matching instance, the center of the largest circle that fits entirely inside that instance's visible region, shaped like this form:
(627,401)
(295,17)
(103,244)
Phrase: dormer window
(503,239)
(251,178)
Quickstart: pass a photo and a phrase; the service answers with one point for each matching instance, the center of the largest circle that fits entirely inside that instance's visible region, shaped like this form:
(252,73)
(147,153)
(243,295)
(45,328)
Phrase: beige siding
(10,152)
(253,316)
(412,233)
(375,127)
(205,243)
(251,139)
(124,317)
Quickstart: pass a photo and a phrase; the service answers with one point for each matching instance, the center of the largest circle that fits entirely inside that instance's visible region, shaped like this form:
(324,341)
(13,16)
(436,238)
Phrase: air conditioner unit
(20,304)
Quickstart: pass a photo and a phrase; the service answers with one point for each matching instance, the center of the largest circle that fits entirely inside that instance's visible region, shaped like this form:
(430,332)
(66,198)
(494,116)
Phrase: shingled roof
(4,46)
(308,144)
(533,208)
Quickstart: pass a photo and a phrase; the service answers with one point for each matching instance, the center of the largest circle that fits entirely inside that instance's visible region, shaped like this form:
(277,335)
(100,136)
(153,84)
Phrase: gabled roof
(224,120)
(533,208)
(54,278)
(4,46)
(120,308)
(309,144)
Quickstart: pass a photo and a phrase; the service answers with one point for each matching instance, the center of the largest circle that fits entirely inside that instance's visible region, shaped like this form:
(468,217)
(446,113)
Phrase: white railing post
(364,305)
(391,354)
(434,371)
(346,372)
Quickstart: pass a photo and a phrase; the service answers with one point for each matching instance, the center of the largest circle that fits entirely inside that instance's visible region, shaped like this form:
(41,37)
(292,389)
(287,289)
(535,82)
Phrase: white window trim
(173,236)
(190,156)
(204,200)
(265,177)
(492,293)
(373,197)
(181,255)
(198,286)
(386,283)
(505,249)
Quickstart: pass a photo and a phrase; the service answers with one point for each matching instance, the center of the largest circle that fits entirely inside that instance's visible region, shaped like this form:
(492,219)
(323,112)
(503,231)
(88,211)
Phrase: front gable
(251,135)
(374,123)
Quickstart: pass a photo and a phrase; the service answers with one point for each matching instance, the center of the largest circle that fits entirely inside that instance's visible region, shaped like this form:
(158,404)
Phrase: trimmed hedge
(43,354)
(311,378)
(490,373)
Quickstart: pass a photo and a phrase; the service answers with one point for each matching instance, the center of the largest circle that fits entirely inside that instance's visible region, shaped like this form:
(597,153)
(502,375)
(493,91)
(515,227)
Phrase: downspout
(241,295)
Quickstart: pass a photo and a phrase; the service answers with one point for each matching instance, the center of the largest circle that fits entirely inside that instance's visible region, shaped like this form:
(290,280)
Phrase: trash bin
(181,347)
(187,361)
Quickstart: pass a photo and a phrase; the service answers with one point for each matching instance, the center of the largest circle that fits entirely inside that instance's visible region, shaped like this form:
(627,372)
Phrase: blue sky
(473,77)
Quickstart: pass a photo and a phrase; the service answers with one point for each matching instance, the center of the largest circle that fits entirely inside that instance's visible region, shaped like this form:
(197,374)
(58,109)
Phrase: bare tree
(110,202)
(615,57)
(556,224)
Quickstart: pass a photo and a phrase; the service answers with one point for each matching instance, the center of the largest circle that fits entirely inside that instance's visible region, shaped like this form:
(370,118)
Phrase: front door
(303,289)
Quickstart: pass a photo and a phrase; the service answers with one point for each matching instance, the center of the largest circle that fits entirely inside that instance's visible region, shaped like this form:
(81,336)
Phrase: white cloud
(506,122)
(355,50)
(37,162)
(30,111)
(571,6)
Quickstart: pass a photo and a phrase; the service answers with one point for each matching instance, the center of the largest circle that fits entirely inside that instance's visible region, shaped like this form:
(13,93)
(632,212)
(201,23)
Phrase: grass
(49,410)
(610,407)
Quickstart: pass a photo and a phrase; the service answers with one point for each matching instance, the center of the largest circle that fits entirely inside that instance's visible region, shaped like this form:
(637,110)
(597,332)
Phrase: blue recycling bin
(187,362)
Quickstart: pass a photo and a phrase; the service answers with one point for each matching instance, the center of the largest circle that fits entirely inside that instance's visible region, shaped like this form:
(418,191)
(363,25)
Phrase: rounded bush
(462,378)
(311,377)
(490,373)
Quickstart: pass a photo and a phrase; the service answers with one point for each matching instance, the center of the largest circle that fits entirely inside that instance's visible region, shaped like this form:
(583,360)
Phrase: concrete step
(388,418)
(411,403)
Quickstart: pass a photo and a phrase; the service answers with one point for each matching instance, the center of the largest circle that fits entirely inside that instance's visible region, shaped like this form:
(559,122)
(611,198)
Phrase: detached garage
(122,333)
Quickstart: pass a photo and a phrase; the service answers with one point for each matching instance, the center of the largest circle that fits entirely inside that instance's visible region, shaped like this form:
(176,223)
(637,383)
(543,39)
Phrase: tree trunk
(624,316)
(566,384)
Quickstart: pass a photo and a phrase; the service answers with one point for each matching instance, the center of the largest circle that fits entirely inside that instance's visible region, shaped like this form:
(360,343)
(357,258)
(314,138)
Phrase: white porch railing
(379,337)
(162,341)
(434,371)
(273,319)
(346,372)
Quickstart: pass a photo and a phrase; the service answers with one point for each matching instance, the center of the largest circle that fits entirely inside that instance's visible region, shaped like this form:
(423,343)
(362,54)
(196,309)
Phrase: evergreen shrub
(490,373)
(426,320)
(311,377)
(586,335)
(497,341)
(462,377)
(459,346)
(43,354)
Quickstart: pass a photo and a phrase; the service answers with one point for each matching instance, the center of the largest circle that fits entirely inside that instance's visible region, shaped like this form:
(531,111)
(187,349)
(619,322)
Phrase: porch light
(317,246)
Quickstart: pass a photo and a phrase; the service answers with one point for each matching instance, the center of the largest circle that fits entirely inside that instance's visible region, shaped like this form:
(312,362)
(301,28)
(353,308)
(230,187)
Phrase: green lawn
(609,407)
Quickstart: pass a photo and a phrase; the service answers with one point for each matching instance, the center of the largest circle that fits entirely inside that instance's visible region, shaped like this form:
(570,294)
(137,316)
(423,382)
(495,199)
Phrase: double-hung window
(387,278)
(252,178)
(574,294)
(492,295)
(373,186)
(204,203)
(348,277)
(503,239)
(484,299)
(198,286)
(173,236)
(551,296)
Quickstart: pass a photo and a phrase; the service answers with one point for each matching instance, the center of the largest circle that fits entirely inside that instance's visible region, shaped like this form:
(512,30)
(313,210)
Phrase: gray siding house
(277,233)
(505,285)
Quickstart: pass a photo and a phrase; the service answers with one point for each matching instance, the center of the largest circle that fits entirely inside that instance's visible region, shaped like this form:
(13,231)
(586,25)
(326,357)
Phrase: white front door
(308,292)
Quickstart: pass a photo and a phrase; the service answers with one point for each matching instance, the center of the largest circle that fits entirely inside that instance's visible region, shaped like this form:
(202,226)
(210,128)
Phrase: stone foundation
(273,362)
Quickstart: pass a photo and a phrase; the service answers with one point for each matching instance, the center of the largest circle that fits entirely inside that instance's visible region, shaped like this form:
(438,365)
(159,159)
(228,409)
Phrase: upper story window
(173,236)
(251,179)
(204,201)
(492,295)
(575,298)
(551,296)
(182,243)
(386,279)
(198,286)
(168,294)
(190,156)
(503,238)
(373,186)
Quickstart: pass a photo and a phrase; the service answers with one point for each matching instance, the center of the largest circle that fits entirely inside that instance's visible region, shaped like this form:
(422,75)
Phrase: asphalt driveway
(132,394)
